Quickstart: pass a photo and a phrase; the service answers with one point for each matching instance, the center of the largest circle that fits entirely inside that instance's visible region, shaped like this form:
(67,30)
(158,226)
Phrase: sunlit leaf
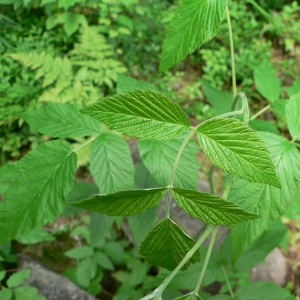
(209,208)
(145,114)
(236,148)
(196,22)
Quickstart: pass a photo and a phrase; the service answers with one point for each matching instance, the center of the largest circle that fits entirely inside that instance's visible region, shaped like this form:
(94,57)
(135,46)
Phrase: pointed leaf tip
(167,244)
(211,209)
(145,114)
(196,22)
(237,149)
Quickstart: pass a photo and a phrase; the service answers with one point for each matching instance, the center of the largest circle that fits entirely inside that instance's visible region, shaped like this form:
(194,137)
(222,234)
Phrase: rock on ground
(50,284)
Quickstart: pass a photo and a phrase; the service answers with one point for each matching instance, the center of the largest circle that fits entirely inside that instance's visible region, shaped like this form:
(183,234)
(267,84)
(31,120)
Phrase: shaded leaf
(99,226)
(292,111)
(27,293)
(80,252)
(143,178)
(37,235)
(124,203)
(267,82)
(145,114)
(80,190)
(166,245)
(62,120)
(128,84)
(196,22)
(209,208)
(261,247)
(85,271)
(159,158)
(293,212)
(262,125)
(236,148)
(221,101)
(37,194)
(263,290)
(265,200)
(111,163)
(190,296)
(103,260)
(141,224)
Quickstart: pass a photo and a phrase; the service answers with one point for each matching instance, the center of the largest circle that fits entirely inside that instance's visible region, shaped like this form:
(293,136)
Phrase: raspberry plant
(263,168)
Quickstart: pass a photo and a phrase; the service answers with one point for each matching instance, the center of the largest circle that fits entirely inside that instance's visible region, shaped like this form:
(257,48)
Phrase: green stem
(297,145)
(245,106)
(211,179)
(260,112)
(86,143)
(229,114)
(234,90)
(213,236)
(227,282)
(293,140)
(158,291)
(173,173)
(211,244)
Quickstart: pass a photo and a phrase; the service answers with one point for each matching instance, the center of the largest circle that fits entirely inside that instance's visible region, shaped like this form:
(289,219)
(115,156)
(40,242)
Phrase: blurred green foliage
(127,37)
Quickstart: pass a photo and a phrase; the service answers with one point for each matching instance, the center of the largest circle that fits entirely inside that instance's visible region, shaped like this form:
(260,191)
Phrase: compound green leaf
(190,296)
(292,111)
(62,120)
(263,290)
(267,82)
(111,163)
(209,208)
(124,203)
(265,200)
(196,22)
(221,101)
(166,245)
(145,114)
(236,148)
(159,158)
(37,194)
(128,84)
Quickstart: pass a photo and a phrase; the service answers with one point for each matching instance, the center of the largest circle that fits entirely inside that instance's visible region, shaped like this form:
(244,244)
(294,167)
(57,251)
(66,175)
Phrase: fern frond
(95,57)
(49,67)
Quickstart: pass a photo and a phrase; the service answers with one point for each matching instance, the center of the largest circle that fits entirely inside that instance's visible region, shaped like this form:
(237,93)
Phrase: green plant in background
(263,173)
